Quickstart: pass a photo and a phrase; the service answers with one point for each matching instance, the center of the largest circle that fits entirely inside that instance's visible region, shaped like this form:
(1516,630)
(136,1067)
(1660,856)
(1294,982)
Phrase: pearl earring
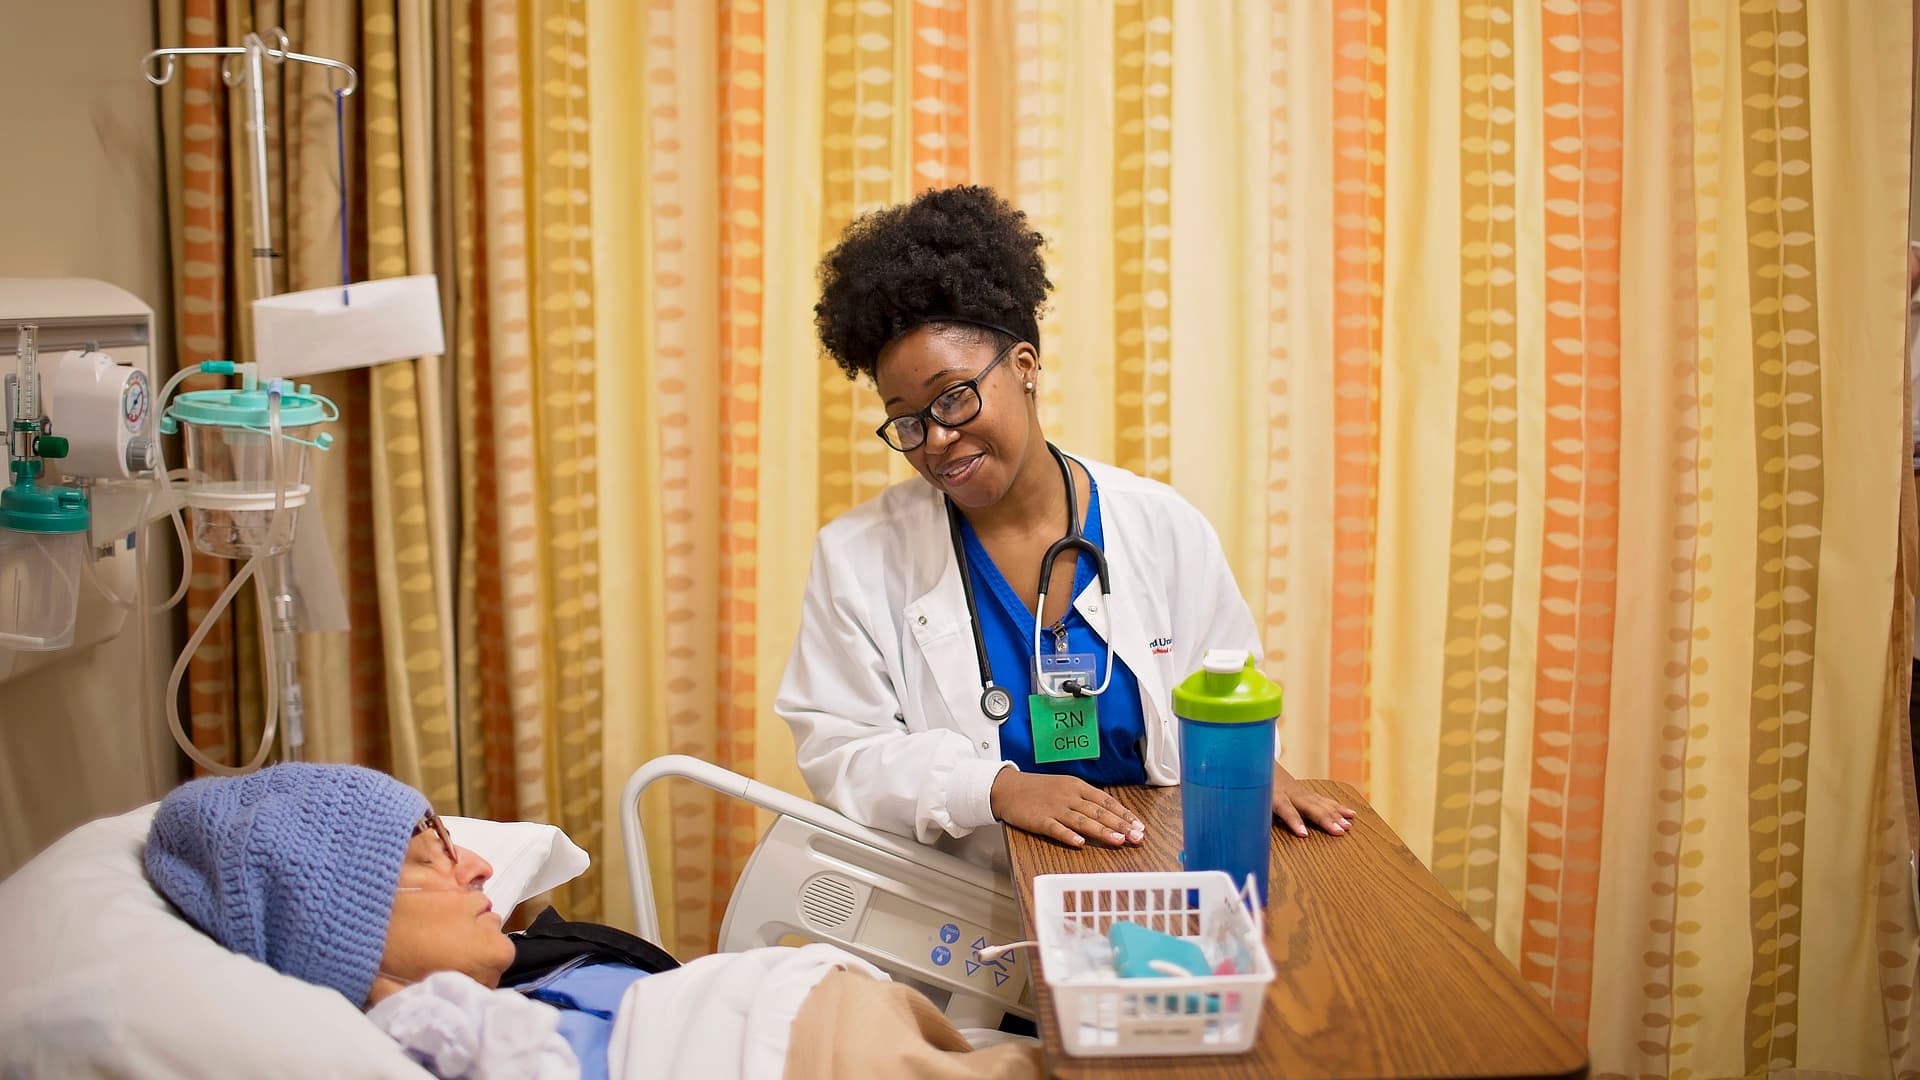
(1029,386)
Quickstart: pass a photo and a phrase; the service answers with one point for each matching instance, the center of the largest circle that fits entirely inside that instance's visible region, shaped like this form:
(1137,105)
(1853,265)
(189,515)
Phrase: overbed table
(1379,973)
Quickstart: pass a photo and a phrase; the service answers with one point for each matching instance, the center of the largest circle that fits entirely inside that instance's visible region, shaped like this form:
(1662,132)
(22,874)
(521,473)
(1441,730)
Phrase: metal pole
(281,595)
(286,651)
(257,129)
(284,598)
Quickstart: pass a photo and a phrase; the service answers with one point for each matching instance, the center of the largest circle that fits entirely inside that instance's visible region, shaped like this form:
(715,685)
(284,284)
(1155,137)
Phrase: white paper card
(307,333)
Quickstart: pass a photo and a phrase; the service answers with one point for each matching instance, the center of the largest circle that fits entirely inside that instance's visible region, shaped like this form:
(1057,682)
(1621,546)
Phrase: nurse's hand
(1297,807)
(1066,808)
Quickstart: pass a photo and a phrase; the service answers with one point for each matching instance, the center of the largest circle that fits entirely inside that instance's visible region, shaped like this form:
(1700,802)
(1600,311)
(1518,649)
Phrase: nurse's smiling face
(975,463)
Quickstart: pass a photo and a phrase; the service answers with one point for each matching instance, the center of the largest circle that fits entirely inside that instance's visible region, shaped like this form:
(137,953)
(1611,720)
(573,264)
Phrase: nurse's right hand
(1066,808)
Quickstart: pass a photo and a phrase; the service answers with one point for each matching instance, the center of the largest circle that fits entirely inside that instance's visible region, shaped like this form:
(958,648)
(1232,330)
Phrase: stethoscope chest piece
(996,703)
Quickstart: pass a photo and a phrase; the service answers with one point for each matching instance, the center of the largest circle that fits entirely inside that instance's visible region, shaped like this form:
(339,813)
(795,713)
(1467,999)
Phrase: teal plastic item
(36,508)
(248,409)
(1135,948)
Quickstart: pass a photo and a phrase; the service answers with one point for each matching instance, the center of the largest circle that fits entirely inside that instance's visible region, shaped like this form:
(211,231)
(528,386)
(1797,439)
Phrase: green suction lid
(247,409)
(29,507)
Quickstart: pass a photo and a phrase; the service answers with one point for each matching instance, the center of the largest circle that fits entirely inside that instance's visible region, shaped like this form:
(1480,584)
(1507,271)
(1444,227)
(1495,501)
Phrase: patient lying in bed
(344,877)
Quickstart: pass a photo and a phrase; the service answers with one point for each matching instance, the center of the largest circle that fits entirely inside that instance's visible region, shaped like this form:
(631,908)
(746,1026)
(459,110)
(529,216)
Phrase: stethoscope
(995,702)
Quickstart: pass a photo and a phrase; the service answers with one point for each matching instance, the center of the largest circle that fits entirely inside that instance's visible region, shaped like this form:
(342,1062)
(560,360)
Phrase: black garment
(553,941)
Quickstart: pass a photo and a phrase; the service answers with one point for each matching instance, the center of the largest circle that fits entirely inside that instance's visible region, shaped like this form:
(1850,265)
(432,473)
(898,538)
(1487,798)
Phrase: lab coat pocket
(943,686)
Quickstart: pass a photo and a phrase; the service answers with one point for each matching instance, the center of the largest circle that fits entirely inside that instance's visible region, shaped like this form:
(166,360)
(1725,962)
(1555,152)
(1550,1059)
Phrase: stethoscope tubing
(995,702)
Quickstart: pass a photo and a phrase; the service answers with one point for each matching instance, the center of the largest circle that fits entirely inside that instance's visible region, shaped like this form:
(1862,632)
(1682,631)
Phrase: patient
(345,878)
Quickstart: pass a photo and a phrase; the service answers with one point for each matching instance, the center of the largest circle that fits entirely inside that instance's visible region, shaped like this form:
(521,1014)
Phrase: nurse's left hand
(1297,807)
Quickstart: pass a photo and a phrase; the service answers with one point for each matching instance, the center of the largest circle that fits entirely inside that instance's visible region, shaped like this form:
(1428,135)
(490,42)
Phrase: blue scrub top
(1006,625)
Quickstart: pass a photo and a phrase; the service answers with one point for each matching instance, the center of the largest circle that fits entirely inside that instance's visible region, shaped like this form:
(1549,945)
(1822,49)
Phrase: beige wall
(82,195)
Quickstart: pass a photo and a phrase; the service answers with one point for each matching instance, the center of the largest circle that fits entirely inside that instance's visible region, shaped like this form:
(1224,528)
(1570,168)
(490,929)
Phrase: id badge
(1058,668)
(1064,729)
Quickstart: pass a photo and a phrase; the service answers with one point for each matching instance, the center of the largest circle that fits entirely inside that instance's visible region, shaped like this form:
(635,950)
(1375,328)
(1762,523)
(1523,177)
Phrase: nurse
(994,641)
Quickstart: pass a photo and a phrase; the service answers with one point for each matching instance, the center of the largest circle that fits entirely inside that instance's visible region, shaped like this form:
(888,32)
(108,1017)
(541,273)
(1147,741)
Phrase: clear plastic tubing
(263,601)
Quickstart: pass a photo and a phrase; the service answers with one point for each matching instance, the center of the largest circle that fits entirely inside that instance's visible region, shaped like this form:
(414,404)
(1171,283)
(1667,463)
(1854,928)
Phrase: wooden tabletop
(1379,972)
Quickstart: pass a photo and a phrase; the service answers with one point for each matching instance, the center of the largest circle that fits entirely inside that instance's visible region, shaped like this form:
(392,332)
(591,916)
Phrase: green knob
(50,446)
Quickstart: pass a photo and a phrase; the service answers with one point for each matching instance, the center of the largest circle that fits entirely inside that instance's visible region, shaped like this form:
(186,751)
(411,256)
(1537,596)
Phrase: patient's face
(441,920)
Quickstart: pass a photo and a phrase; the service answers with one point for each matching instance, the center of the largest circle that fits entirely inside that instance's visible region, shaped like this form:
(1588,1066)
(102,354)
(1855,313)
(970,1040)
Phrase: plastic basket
(1106,1015)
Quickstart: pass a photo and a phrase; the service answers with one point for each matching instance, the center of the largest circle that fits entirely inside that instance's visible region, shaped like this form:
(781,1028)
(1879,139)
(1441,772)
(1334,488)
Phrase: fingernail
(1116,838)
(1138,833)
(1299,830)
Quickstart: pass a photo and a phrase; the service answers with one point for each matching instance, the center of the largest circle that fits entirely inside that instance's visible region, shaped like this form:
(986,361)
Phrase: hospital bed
(913,911)
(103,977)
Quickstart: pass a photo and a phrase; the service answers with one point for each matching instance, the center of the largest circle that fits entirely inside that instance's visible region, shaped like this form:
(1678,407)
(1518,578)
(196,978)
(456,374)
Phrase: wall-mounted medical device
(80,453)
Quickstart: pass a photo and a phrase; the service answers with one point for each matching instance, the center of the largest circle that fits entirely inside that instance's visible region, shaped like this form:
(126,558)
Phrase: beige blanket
(852,1024)
(814,1011)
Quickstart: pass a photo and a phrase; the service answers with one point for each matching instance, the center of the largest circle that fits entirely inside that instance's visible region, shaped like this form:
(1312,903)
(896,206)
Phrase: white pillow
(102,977)
(528,858)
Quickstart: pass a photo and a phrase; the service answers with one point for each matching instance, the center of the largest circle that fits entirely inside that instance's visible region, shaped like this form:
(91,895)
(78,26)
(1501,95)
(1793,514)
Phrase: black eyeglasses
(957,404)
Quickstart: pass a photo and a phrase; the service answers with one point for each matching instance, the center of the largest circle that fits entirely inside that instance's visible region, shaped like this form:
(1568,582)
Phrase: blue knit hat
(294,865)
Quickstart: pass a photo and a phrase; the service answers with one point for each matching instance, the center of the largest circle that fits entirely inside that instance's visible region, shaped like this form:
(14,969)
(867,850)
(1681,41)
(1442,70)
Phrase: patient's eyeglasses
(430,821)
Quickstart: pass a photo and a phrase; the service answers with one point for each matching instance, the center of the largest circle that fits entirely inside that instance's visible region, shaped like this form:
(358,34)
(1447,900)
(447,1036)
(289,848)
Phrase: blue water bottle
(1227,713)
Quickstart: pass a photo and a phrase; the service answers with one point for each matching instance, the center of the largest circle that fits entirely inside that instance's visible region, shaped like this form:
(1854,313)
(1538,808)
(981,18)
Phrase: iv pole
(285,596)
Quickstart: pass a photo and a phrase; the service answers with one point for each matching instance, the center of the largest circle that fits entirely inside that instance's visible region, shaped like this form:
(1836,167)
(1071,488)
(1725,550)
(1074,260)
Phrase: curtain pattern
(683,305)
(1142,232)
(1565,528)
(1535,363)
(398,231)
(497,712)
(529,551)
(561,229)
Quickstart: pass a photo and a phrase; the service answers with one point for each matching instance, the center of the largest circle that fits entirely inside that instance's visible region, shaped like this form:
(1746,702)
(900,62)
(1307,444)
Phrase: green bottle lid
(34,508)
(1228,689)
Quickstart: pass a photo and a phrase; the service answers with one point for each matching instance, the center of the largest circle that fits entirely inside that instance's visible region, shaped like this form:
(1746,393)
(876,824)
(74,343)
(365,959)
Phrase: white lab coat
(882,690)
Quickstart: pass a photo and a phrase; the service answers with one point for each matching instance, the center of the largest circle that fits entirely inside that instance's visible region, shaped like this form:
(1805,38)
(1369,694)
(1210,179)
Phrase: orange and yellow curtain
(460,498)
(1538,363)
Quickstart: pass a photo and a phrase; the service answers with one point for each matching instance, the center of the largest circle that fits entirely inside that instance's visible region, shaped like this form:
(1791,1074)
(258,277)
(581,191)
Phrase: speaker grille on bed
(826,901)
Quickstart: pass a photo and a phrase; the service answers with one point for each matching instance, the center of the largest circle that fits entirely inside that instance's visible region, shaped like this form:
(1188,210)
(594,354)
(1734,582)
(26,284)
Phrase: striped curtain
(1536,362)
(528,661)
(461,497)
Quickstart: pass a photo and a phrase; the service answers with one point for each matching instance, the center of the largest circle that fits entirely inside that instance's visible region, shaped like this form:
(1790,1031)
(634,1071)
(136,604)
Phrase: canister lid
(43,508)
(247,409)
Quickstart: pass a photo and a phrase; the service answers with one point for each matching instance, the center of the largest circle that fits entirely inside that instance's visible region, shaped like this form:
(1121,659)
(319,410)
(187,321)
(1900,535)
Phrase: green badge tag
(1064,729)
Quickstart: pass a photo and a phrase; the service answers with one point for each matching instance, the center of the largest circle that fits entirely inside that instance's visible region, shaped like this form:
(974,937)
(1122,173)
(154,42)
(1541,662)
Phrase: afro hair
(962,253)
